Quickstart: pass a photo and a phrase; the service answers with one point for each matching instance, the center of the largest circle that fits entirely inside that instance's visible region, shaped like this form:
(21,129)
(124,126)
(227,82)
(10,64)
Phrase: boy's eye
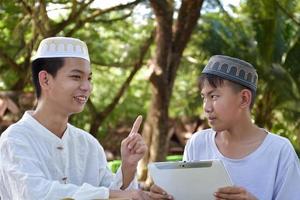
(76,76)
(214,96)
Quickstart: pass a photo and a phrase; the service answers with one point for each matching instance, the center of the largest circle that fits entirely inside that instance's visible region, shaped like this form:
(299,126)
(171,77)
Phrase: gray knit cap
(232,69)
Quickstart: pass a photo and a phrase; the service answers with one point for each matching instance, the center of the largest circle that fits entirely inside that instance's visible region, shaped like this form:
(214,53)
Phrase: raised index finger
(136,125)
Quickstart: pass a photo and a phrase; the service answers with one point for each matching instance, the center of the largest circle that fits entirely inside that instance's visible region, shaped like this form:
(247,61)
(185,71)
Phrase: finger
(132,141)
(134,146)
(230,190)
(129,139)
(136,125)
(139,147)
(156,189)
(228,196)
(231,193)
(154,195)
(146,195)
(160,196)
(141,150)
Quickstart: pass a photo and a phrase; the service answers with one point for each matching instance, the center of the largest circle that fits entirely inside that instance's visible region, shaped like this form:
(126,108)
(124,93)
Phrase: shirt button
(64,179)
(60,148)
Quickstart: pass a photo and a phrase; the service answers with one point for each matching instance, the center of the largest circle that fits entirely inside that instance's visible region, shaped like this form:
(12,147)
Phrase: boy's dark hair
(216,81)
(50,65)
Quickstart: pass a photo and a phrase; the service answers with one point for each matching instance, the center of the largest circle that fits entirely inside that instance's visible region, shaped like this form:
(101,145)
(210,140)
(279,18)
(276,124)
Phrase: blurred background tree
(146,57)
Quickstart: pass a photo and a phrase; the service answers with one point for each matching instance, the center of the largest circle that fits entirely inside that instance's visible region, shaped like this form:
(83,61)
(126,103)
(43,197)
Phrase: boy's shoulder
(81,134)
(16,130)
(203,133)
(279,141)
(202,136)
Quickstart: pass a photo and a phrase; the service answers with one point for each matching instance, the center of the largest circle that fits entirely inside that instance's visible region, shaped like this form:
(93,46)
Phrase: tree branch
(222,8)
(9,61)
(116,64)
(291,16)
(114,19)
(74,15)
(98,12)
(100,116)
(138,64)
(39,26)
(44,15)
(92,108)
(189,13)
(80,23)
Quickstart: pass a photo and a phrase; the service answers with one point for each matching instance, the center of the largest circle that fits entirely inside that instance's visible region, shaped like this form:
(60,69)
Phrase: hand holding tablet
(190,180)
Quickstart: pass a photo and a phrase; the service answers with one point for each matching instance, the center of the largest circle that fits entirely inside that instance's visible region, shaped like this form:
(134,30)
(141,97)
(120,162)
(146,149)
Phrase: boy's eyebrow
(209,92)
(79,71)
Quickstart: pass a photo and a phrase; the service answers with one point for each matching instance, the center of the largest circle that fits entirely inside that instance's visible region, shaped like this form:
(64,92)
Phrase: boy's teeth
(80,98)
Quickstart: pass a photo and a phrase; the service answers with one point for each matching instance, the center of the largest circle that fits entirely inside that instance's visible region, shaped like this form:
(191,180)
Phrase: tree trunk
(171,40)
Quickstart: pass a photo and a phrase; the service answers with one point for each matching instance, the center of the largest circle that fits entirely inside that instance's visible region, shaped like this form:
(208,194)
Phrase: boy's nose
(86,86)
(207,107)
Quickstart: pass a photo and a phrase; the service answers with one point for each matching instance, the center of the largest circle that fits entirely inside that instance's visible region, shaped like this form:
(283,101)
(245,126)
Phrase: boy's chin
(217,129)
(76,111)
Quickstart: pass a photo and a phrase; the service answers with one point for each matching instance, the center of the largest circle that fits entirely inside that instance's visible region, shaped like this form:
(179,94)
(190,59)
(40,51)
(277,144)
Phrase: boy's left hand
(233,192)
(133,147)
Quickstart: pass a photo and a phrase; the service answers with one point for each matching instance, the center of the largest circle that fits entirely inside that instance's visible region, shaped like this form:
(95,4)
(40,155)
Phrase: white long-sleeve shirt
(271,172)
(36,164)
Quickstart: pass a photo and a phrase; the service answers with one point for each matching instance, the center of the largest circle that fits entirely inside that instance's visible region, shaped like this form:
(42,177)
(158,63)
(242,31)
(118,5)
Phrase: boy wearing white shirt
(42,156)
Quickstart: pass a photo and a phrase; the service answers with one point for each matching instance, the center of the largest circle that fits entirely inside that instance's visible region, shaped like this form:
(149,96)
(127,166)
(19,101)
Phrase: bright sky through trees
(56,10)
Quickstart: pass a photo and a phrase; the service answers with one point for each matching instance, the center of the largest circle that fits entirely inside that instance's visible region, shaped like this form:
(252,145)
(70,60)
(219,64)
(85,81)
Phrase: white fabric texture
(36,164)
(271,172)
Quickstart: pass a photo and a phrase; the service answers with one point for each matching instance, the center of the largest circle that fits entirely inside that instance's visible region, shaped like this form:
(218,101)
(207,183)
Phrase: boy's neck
(241,132)
(240,141)
(51,119)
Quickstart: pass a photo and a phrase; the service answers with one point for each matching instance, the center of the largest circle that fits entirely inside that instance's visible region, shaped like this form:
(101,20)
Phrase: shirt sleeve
(289,187)
(22,177)
(116,180)
(187,151)
(111,180)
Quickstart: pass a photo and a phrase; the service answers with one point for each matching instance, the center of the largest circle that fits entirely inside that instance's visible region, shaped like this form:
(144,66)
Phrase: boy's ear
(44,79)
(246,97)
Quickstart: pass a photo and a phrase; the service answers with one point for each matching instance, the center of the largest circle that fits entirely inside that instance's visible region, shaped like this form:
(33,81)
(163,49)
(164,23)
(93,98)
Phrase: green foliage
(174,158)
(261,32)
(114,165)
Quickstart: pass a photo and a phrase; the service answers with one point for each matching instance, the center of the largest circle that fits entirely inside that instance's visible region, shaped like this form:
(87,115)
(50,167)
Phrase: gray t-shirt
(271,172)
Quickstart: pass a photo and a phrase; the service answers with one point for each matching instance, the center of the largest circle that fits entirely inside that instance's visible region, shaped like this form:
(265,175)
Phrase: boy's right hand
(157,192)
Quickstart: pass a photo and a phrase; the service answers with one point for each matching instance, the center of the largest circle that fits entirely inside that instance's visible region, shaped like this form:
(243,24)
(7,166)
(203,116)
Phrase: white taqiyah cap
(62,47)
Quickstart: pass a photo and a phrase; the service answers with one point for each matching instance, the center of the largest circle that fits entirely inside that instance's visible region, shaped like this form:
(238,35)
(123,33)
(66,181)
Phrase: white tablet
(190,180)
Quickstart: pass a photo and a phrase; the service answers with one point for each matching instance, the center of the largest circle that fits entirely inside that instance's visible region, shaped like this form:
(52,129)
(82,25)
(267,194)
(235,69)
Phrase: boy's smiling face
(70,89)
(221,105)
